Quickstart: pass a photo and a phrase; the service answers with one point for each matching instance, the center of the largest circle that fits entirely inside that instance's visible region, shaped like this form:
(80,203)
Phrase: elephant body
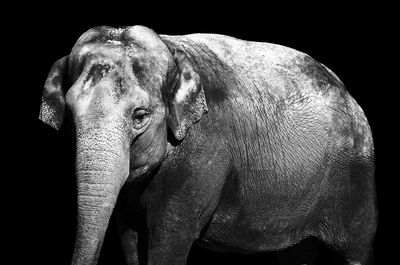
(273,151)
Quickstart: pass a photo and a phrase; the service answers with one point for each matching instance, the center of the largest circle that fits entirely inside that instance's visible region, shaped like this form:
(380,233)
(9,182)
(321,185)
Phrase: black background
(350,41)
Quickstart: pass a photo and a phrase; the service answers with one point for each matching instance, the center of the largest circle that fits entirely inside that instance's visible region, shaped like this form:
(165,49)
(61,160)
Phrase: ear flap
(52,108)
(188,102)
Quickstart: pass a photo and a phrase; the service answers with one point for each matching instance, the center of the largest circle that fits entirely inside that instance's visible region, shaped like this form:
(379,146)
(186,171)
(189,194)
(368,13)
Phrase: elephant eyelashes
(140,118)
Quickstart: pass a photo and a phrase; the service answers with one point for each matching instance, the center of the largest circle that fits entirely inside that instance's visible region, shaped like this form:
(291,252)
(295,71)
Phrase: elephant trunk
(102,166)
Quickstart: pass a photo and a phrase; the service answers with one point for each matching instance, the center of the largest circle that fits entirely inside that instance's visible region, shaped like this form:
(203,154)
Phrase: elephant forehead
(105,92)
(126,79)
(110,75)
(135,55)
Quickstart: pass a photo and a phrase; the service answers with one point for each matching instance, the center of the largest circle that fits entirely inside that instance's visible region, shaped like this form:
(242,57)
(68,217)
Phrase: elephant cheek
(148,150)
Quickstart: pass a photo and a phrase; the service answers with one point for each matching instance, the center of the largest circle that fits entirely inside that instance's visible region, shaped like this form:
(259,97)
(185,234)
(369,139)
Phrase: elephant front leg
(170,240)
(129,242)
(133,240)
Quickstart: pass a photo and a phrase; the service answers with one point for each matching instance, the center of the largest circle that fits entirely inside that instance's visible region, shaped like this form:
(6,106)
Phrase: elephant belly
(252,234)
(259,217)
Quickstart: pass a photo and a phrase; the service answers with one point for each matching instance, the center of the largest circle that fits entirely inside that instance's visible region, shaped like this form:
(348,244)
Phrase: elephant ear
(52,108)
(187,104)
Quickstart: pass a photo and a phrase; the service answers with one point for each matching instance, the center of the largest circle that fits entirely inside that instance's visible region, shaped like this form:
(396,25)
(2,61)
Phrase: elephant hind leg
(361,255)
(358,252)
(304,252)
(356,245)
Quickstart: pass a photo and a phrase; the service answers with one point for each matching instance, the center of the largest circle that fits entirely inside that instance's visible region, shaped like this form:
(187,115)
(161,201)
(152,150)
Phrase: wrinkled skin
(234,145)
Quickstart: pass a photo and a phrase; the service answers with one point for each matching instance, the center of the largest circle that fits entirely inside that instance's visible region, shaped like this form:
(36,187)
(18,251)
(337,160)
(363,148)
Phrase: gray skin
(234,145)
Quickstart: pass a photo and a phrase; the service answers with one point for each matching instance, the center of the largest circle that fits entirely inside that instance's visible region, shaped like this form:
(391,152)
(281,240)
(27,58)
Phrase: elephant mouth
(141,172)
(138,172)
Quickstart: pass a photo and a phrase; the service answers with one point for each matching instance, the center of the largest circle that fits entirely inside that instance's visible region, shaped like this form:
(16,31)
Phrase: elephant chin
(102,167)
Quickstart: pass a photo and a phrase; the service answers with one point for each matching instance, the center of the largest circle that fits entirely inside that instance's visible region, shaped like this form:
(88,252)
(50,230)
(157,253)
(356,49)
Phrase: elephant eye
(136,67)
(140,118)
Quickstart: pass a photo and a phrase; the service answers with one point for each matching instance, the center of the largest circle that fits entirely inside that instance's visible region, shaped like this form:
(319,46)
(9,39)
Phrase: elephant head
(125,88)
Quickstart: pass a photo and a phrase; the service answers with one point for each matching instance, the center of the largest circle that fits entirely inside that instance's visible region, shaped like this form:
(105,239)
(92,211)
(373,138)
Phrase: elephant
(207,139)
